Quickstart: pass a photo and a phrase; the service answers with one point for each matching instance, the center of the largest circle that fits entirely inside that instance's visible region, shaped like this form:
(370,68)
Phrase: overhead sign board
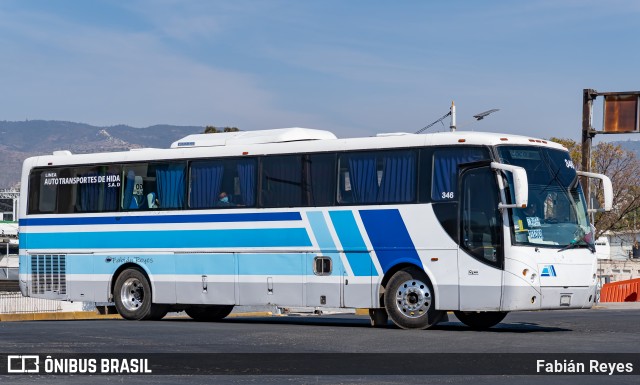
(621,113)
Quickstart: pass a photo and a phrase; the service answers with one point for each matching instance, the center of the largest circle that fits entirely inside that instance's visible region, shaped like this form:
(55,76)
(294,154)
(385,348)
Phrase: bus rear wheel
(209,312)
(409,300)
(480,320)
(132,296)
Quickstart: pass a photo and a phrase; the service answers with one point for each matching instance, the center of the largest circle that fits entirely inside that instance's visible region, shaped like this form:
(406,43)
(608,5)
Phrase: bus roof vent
(278,135)
(62,152)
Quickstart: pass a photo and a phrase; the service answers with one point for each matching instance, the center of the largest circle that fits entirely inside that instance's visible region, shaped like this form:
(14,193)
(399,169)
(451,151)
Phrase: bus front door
(480,256)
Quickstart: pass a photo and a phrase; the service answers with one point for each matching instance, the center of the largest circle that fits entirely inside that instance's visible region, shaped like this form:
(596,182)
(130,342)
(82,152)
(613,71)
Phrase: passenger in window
(152,201)
(223,200)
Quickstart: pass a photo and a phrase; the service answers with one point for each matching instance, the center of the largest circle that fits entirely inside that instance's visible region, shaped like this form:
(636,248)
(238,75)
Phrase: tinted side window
(281,181)
(298,180)
(222,183)
(377,177)
(154,186)
(96,190)
(424,177)
(445,169)
(74,190)
(319,179)
(43,191)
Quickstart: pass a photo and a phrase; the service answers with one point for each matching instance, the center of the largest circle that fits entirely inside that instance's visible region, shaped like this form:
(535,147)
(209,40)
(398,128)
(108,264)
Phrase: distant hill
(20,140)
(631,145)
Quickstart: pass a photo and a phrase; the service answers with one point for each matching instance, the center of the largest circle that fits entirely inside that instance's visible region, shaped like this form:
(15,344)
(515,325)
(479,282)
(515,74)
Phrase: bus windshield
(556,215)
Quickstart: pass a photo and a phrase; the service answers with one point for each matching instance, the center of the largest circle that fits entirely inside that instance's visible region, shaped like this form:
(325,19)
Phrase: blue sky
(353,67)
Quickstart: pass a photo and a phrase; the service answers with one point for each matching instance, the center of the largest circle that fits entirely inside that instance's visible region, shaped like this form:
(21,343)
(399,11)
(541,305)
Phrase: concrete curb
(617,305)
(58,316)
(254,314)
(90,315)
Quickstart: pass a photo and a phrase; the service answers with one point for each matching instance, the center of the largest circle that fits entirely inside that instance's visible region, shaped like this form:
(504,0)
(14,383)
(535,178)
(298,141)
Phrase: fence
(12,301)
(621,291)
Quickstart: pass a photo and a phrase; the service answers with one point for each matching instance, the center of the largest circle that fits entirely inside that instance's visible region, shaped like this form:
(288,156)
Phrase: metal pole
(452,127)
(587,134)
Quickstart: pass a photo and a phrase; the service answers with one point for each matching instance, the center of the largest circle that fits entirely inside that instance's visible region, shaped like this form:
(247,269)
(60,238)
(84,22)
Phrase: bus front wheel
(132,296)
(209,312)
(480,320)
(410,301)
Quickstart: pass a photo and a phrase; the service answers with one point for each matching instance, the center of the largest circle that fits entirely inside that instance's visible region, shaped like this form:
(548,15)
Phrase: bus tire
(410,301)
(379,317)
(132,296)
(480,320)
(208,313)
(157,312)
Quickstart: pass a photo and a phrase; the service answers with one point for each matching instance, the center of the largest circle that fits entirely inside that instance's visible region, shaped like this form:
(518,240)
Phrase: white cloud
(332,65)
(68,71)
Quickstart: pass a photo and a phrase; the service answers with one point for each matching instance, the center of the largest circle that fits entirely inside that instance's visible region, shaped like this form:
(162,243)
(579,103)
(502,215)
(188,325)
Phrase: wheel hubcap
(413,298)
(132,294)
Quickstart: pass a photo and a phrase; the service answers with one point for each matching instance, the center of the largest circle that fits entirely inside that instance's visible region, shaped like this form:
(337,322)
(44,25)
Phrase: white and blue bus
(408,226)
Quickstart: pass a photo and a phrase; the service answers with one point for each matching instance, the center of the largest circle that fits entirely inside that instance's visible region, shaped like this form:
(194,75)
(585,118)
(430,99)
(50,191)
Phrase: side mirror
(520,185)
(606,186)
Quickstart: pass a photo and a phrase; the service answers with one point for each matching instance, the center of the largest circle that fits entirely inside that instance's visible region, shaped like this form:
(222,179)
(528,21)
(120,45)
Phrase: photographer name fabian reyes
(590,367)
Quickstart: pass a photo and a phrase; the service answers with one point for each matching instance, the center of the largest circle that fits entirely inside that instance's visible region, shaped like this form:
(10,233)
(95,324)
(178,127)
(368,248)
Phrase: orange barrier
(621,291)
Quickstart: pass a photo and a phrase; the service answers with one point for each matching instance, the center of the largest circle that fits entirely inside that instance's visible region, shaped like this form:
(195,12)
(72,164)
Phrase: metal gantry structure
(9,202)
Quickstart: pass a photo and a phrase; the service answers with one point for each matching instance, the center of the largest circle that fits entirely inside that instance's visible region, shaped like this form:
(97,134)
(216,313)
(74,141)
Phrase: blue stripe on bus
(170,239)
(353,245)
(271,264)
(151,219)
(389,238)
(207,264)
(192,264)
(325,241)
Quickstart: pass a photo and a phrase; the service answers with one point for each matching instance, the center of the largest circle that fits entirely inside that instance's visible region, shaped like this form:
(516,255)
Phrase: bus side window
(318,179)
(132,189)
(445,169)
(96,189)
(44,192)
(170,181)
(209,178)
(281,181)
(163,182)
(368,177)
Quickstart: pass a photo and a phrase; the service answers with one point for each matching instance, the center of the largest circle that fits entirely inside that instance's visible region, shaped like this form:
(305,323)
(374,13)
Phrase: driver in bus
(527,219)
(530,214)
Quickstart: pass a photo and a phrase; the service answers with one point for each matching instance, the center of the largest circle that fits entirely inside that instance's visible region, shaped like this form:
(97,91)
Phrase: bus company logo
(23,364)
(548,271)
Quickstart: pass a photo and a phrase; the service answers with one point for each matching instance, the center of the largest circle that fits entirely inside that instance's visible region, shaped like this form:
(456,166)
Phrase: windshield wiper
(571,245)
(575,244)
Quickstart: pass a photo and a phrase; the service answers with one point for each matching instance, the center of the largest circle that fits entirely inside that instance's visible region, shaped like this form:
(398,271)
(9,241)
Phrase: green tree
(215,130)
(623,168)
